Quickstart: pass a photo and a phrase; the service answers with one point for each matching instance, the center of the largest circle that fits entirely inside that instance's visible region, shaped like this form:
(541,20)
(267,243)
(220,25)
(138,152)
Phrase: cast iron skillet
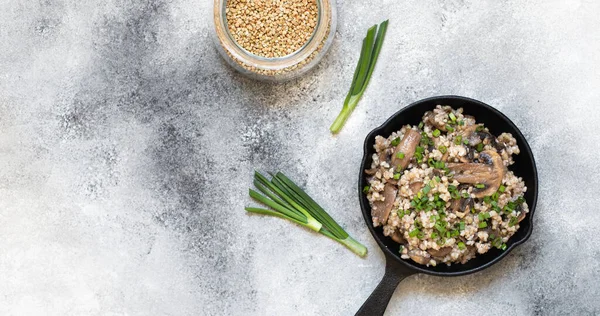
(396,269)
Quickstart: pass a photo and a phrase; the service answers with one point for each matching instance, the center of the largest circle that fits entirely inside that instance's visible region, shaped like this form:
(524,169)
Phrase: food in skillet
(443,190)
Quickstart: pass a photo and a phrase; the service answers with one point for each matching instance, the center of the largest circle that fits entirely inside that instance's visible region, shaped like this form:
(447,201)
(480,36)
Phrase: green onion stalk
(288,201)
(369,53)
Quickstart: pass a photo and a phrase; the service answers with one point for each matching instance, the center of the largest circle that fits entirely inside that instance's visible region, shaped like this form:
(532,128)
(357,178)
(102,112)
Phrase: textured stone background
(127,148)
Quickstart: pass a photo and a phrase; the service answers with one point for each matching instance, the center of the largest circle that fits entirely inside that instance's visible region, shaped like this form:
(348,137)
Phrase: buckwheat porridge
(443,190)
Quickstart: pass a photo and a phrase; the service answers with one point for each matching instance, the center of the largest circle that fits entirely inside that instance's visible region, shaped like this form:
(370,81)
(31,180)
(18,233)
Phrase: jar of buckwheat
(274,40)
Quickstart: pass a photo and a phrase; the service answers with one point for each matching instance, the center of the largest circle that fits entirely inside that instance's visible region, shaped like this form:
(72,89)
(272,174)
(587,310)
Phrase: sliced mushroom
(381,209)
(462,205)
(489,173)
(397,237)
(471,251)
(392,181)
(430,119)
(416,186)
(521,216)
(371,171)
(407,146)
(445,157)
(383,156)
(418,258)
(475,137)
(440,253)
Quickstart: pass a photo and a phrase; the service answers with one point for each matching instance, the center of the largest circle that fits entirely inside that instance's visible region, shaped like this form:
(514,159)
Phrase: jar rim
(272,63)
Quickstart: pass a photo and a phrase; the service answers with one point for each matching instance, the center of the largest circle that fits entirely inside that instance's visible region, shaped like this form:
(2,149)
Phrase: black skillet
(396,269)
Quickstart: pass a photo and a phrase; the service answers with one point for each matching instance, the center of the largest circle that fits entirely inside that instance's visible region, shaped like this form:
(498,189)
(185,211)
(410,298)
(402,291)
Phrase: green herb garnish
(395,141)
(369,53)
(290,202)
(414,232)
(436,133)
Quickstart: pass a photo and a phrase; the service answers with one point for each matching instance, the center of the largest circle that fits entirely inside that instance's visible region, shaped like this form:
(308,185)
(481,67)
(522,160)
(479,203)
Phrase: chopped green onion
(465,195)
(451,188)
(450,129)
(400,155)
(437,179)
(419,157)
(400,249)
(441,227)
(482,224)
(431,162)
(461,225)
(452,116)
(479,128)
(502,189)
(513,221)
(503,247)
(395,141)
(455,195)
(443,149)
(495,196)
(480,185)
(434,235)
(366,189)
(414,232)
(421,125)
(461,245)
(487,199)
(396,176)
(479,147)
(465,141)
(461,123)
(436,133)
(458,140)
(364,69)
(426,189)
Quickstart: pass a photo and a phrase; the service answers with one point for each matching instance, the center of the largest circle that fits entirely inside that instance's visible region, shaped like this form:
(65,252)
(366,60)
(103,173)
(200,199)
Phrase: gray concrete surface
(127,147)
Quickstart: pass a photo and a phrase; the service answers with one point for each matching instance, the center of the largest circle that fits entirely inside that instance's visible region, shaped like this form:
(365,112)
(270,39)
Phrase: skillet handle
(377,302)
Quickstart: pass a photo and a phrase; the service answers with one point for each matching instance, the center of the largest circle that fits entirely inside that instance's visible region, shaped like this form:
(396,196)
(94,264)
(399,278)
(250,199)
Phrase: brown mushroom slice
(489,173)
(397,237)
(430,119)
(415,187)
(383,156)
(371,171)
(418,258)
(521,216)
(469,254)
(475,137)
(381,209)
(445,156)
(407,146)
(440,253)
(462,205)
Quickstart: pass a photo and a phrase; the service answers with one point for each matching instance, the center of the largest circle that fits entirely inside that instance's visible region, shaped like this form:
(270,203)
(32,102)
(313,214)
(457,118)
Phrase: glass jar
(278,68)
